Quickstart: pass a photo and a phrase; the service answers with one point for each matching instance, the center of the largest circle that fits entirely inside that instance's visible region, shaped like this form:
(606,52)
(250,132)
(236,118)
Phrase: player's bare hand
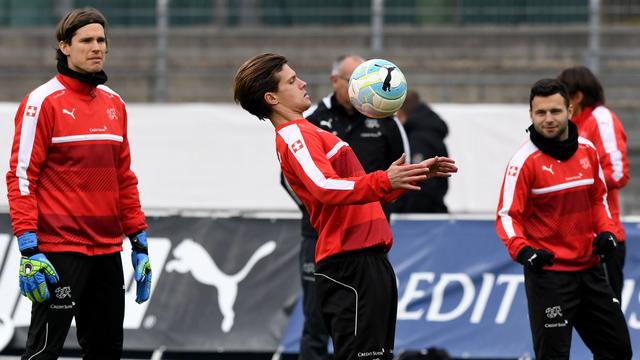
(404,176)
(439,166)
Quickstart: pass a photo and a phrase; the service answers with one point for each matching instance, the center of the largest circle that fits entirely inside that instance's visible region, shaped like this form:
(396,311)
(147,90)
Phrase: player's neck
(279,116)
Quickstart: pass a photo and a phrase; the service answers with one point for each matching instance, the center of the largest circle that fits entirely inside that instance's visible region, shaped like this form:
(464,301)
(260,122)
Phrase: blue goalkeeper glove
(141,265)
(35,269)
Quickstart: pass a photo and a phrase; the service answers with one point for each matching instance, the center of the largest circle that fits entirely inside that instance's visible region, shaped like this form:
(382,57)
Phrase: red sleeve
(514,194)
(131,215)
(599,207)
(306,158)
(32,137)
(394,195)
(610,140)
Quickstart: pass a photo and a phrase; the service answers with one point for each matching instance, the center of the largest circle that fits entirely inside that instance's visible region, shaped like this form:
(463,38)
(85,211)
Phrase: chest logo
(548,168)
(296,146)
(371,123)
(326,123)
(112,114)
(70,113)
(585,163)
(102,129)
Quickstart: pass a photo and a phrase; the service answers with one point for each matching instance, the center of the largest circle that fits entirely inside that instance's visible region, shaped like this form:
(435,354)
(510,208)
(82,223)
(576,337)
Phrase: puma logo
(386,84)
(326,123)
(70,113)
(549,169)
(194,258)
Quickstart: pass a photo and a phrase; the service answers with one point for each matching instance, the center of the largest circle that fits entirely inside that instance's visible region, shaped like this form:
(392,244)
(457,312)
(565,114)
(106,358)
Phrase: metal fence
(230,13)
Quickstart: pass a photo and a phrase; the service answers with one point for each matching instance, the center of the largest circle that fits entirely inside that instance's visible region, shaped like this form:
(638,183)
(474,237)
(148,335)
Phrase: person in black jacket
(376,143)
(426,132)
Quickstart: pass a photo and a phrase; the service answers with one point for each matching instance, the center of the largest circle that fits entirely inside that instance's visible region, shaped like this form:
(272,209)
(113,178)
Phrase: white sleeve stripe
(28,130)
(291,134)
(335,149)
(563,186)
(604,119)
(405,140)
(86,137)
(509,189)
(604,197)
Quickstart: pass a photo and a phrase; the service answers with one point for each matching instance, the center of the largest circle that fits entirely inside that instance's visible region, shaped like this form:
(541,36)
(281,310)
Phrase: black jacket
(426,132)
(376,142)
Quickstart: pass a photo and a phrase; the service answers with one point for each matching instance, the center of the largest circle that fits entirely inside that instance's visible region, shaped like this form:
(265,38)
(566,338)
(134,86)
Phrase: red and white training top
(70,178)
(555,205)
(343,201)
(602,127)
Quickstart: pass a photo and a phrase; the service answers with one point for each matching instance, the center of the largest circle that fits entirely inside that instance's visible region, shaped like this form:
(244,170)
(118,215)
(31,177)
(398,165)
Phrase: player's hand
(405,176)
(535,259)
(440,166)
(35,269)
(141,265)
(604,243)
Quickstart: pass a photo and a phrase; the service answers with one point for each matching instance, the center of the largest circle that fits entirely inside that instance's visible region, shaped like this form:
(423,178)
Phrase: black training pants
(91,288)
(358,297)
(559,301)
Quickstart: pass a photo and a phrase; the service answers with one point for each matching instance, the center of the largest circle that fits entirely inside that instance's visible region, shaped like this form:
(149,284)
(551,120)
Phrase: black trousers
(315,337)
(614,265)
(91,288)
(560,301)
(358,298)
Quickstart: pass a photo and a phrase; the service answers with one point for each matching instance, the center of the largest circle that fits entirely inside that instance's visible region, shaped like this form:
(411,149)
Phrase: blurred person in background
(72,198)
(601,126)
(376,143)
(356,288)
(552,204)
(426,132)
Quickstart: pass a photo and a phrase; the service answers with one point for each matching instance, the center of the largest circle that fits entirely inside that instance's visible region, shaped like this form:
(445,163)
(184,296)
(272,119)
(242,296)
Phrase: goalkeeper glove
(141,265)
(35,269)
(535,259)
(604,243)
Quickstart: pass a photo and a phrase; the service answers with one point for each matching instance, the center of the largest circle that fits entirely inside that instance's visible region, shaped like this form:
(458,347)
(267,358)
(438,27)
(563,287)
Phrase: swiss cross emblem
(513,170)
(31,111)
(111,113)
(297,145)
(585,163)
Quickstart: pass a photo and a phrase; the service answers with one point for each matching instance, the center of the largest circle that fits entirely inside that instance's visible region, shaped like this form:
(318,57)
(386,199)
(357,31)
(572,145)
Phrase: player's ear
(64,47)
(271,98)
(334,78)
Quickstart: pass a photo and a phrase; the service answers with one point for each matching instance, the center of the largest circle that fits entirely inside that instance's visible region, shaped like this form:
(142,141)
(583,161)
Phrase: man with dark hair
(554,220)
(376,143)
(426,132)
(72,198)
(601,126)
(355,283)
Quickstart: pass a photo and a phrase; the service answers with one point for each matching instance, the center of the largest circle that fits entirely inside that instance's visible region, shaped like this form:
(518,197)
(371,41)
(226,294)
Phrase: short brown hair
(580,78)
(74,20)
(548,87)
(256,77)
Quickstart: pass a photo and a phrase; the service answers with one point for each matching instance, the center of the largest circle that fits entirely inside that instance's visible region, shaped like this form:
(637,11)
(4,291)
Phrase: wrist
(27,241)
(139,242)
(525,254)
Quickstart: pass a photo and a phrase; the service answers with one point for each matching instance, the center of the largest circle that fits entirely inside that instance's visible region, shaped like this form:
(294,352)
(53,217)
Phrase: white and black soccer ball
(377,88)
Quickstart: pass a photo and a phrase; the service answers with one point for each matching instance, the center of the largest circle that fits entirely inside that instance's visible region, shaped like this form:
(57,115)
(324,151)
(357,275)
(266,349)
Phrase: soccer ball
(377,88)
